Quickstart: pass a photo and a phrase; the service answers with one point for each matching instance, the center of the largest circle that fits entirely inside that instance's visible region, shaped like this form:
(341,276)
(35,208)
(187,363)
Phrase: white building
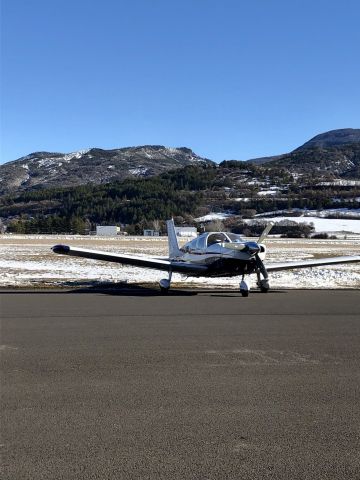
(107,230)
(151,233)
(186,231)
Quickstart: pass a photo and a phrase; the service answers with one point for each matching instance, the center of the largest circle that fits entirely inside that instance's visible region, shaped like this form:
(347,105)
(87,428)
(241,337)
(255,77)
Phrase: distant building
(107,230)
(151,233)
(2,227)
(186,231)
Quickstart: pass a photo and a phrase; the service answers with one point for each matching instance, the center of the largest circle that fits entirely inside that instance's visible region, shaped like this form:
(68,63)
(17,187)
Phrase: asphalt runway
(127,384)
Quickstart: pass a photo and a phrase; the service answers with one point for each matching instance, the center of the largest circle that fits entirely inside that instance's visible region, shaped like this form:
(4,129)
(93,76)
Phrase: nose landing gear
(244,288)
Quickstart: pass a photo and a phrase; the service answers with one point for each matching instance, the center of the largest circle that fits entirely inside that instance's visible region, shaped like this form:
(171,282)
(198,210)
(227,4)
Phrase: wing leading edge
(277,267)
(145,262)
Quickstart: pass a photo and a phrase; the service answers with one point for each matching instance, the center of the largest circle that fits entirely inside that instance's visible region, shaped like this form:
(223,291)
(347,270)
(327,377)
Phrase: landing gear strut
(263,284)
(165,284)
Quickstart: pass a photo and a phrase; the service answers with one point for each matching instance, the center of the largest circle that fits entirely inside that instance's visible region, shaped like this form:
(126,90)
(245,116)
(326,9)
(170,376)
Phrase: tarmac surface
(127,384)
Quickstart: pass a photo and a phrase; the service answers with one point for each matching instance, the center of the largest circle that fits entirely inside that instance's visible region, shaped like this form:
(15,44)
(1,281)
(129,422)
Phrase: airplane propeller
(265,232)
(242,246)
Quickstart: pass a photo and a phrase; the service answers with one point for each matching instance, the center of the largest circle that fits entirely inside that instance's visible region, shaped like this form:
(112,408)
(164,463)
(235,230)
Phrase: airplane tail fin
(174,250)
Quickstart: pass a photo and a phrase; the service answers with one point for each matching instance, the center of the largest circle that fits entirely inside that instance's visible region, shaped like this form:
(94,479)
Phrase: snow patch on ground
(324,213)
(28,261)
(325,224)
(264,193)
(213,216)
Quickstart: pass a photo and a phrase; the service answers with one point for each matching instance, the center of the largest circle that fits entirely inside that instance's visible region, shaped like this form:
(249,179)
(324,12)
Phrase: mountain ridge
(92,166)
(332,138)
(335,153)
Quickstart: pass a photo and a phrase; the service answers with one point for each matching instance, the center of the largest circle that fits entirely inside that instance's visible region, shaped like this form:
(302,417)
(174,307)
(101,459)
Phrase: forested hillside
(235,187)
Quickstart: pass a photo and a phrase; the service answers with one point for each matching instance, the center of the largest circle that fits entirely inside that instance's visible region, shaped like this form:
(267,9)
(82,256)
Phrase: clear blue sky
(231,79)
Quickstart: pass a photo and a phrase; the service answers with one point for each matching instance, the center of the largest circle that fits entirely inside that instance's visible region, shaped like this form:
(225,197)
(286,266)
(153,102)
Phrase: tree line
(186,193)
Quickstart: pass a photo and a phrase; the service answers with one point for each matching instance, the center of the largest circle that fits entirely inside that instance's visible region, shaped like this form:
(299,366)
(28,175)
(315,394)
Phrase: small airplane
(211,254)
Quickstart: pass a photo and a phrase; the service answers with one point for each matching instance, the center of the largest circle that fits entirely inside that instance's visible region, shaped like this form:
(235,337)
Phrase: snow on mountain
(140,171)
(69,156)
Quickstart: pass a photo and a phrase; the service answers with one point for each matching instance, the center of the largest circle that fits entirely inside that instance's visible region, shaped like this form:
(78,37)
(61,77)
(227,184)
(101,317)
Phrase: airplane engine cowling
(262,253)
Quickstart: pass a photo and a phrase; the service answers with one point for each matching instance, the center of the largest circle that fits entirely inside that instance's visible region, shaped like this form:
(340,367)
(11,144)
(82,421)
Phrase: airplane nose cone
(253,248)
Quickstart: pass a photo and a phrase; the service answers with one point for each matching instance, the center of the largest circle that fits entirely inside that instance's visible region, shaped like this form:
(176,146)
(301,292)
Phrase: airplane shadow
(124,289)
(252,292)
(105,288)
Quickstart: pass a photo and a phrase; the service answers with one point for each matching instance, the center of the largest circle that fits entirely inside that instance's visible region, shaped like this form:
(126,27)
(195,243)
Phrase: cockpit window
(202,241)
(235,238)
(216,238)
(191,246)
(193,243)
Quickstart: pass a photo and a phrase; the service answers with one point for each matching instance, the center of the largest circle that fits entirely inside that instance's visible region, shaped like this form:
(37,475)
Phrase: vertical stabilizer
(174,250)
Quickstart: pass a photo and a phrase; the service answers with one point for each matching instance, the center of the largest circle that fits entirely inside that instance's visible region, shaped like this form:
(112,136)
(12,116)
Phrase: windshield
(217,237)
(235,238)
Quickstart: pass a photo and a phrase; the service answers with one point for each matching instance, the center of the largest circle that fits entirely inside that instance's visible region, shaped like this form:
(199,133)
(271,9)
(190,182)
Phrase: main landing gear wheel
(165,285)
(264,286)
(244,288)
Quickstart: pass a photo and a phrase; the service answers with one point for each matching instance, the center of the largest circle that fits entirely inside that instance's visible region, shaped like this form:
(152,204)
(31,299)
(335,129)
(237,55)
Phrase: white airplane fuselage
(230,255)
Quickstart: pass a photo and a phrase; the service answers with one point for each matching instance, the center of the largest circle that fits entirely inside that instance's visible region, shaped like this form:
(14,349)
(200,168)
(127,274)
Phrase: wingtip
(62,249)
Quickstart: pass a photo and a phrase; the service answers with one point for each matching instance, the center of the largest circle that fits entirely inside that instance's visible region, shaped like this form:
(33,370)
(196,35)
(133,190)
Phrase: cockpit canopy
(210,238)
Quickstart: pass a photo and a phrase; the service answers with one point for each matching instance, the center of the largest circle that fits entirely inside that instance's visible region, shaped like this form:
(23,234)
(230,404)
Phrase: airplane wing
(145,262)
(277,267)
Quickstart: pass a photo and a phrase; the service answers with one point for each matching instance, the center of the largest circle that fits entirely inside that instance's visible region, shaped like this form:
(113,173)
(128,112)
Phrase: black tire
(164,291)
(244,293)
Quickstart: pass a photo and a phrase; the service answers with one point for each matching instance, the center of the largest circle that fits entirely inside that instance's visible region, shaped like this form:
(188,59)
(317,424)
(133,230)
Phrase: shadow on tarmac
(106,288)
(132,290)
(126,290)
(252,292)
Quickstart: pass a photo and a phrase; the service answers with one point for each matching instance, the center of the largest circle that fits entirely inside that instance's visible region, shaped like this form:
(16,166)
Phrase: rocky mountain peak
(333,138)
